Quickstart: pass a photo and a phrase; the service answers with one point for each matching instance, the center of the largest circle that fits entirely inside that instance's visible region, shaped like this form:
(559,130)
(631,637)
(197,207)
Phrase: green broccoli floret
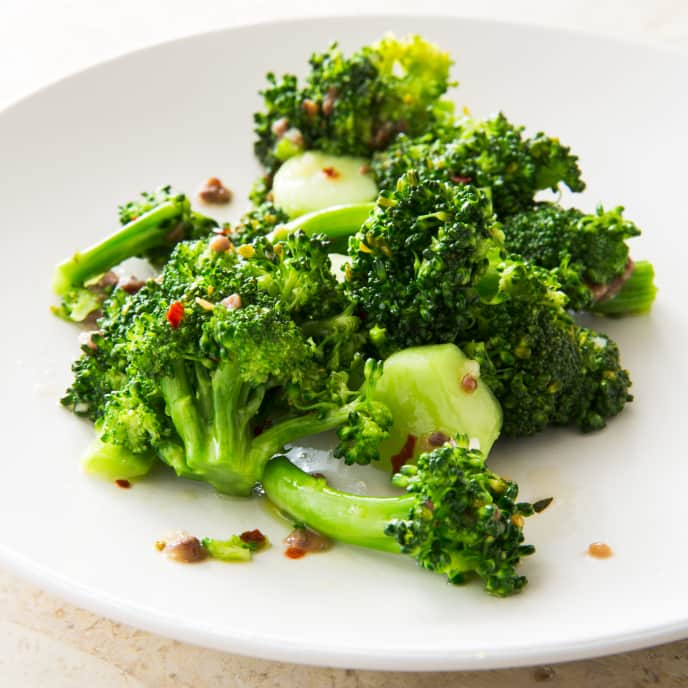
(493,154)
(150,228)
(588,252)
(427,267)
(417,259)
(214,373)
(525,343)
(604,384)
(457,518)
(257,222)
(536,360)
(354,105)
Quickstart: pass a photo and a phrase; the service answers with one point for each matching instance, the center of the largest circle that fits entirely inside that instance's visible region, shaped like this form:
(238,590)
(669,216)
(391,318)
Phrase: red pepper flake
(294,552)
(253,536)
(124,484)
(175,314)
(330,172)
(405,453)
(458,179)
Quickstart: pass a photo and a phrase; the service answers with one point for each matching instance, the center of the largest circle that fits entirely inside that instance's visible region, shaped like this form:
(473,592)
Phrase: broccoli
(355,105)
(427,267)
(417,259)
(457,518)
(151,227)
(212,371)
(493,155)
(257,222)
(588,253)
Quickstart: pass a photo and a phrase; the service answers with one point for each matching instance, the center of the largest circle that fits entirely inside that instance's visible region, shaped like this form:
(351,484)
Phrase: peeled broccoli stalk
(636,295)
(314,180)
(337,223)
(115,462)
(434,392)
(145,232)
(214,414)
(457,518)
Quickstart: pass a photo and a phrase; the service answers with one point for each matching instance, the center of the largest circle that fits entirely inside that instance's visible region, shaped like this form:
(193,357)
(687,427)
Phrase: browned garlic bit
(86,339)
(310,107)
(109,279)
(329,101)
(469,383)
(220,244)
(130,284)
(303,540)
(280,127)
(176,234)
(232,302)
(431,441)
(182,547)
(214,191)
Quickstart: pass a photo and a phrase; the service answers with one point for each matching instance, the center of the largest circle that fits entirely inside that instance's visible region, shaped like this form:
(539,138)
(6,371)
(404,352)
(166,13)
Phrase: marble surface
(45,642)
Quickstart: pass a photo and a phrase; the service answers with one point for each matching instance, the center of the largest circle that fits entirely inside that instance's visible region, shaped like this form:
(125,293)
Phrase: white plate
(181,112)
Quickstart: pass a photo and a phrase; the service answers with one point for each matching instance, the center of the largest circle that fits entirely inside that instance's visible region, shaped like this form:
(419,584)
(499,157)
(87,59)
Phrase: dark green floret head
(416,260)
(605,384)
(464,520)
(526,345)
(354,105)
(492,154)
(585,250)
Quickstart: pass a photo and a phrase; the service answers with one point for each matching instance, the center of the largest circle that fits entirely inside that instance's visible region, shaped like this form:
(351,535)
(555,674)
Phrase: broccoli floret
(588,252)
(354,105)
(457,518)
(604,384)
(525,343)
(257,222)
(151,228)
(535,358)
(416,260)
(214,373)
(493,154)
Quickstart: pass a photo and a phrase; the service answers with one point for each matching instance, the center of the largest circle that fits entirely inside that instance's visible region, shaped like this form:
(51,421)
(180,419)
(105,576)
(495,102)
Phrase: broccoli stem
(636,295)
(114,462)
(358,520)
(214,423)
(139,235)
(337,222)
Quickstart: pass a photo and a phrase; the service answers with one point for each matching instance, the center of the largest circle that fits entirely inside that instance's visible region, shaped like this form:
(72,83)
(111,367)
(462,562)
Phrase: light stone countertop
(47,643)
